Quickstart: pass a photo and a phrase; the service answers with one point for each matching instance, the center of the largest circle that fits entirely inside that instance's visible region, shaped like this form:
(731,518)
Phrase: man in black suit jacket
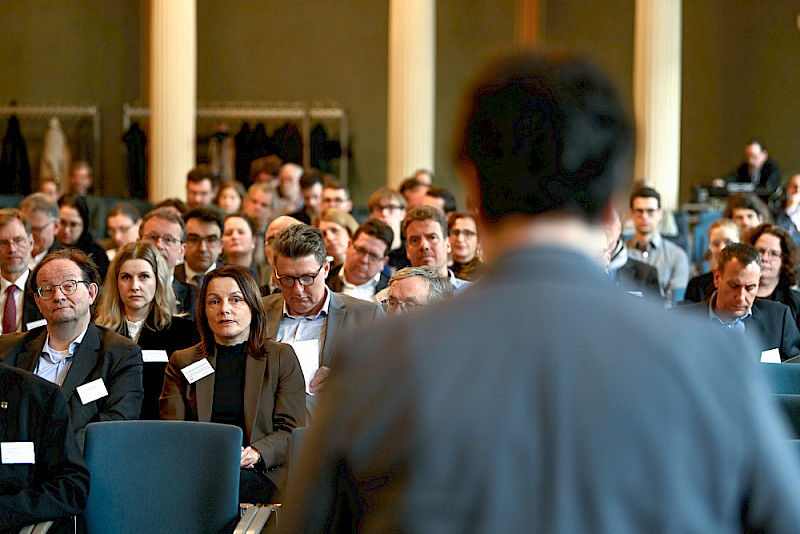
(16,243)
(361,275)
(52,482)
(735,307)
(499,411)
(99,371)
(758,169)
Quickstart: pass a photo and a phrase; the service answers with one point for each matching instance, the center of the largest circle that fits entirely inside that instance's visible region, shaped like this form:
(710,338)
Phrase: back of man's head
(545,133)
(744,253)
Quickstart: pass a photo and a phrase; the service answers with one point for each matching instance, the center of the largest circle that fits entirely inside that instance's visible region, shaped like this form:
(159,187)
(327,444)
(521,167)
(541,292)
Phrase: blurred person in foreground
(542,416)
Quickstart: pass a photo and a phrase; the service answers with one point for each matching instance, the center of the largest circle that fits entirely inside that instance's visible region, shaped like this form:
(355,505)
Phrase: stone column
(412,85)
(657,96)
(173,96)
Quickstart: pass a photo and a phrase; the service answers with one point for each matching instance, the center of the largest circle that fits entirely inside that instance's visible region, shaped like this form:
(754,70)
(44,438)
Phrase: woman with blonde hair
(139,303)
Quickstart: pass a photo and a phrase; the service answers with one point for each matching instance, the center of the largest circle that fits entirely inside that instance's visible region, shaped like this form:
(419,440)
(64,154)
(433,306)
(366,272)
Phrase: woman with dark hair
(239,242)
(465,246)
(779,269)
(73,230)
(256,384)
(139,303)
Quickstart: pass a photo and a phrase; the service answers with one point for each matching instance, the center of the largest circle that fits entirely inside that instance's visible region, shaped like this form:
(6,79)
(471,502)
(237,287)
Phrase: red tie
(10,311)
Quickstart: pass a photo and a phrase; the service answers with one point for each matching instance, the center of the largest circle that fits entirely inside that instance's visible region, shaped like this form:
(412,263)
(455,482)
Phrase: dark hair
(128,210)
(299,241)
(746,201)
(203,172)
(168,215)
(176,203)
(328,182)
(82,260)
(423,213)
(745,253)
(207,215)
(78,203)
(644,191)
(409,184)
(384,193)
(790,253)
(377,229)
(444,194)
(456,215)
(246,218)
(546,133)
(252,296)
(310,178)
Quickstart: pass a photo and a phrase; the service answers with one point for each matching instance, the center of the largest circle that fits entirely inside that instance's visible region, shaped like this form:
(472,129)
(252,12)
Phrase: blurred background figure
(787,214)
(73,230)
(230,196)
(239,245)
(721,234)
(779,265)
(465,245)
(123,222)
(338,229)
(747,210)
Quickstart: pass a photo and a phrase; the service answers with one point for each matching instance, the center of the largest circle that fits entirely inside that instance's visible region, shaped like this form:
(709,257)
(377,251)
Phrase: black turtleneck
(228,407)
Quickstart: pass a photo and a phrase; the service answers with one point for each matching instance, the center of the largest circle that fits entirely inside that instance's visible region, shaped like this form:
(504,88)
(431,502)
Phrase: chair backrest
(791,407)
(162,476)
(783,377)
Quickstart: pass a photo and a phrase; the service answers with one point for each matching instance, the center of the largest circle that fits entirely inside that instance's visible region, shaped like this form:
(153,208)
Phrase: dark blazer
(789,297)
(334,281)
(771,323)
(181,333)
(30,310)
(638,276)
(700,288)
(102,354)
(57,485)
(450,418)
(273,399)
(186,295)
(768,180)
(180,270)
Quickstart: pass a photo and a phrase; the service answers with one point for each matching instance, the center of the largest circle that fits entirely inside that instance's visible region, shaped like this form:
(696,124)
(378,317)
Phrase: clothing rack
(289,111)
(61,111)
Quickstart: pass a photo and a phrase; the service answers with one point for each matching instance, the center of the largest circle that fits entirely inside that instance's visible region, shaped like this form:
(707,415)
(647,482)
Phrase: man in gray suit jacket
(541,398)
(306,314)
(99,371)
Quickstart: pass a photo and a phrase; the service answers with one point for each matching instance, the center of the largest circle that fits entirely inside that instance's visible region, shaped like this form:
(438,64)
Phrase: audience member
(164,228)
(414,192)
(465,245)
(747,210)
(582,408)
(201,187)
(779,266)
(336,195)
(632,276)
(239,243)
(289,187)
(275,227)
(338,228)
(203,245)
(17,299)
(441,198)
(788,213)
(649,246)
(230,197)
(722,233)
(99,371)
(138,302)
(265,170)
(49,188)
(175,204)
(411,287)
(44,216)
(123,222)
(305,310)
(73,230)
(45,479)
(424,176)
(758,169)
(389,206)
(361,275)
(734,305)
(80,183)
(256,385)
(311,189)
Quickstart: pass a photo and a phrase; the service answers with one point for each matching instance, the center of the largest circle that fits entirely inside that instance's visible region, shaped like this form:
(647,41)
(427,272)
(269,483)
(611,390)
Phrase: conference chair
(162,476)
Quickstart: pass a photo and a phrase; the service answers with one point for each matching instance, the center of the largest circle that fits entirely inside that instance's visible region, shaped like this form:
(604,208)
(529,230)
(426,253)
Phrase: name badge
(308,355)
(149,356)
(197,370)
(17,452)
(91,391)
(771,356)
(36,324)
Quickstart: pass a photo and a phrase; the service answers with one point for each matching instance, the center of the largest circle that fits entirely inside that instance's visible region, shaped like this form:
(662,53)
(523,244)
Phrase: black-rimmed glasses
(68,287)
(305,279)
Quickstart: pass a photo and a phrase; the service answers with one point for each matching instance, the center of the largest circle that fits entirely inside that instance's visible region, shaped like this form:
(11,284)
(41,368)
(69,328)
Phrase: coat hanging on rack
(84,141)
(15,169)
(289,143)
(136,168)
(54,163)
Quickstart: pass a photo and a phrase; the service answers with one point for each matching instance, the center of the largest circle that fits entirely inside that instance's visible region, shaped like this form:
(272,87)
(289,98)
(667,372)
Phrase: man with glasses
(336,195)
(44,217)
(203,246)
(17,301)
(389,206)
(165,229)
(306,314)
(361,275)
(99,371)
(412,287)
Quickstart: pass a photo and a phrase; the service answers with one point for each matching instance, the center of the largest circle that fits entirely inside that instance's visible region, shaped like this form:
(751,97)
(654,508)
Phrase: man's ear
(717,276)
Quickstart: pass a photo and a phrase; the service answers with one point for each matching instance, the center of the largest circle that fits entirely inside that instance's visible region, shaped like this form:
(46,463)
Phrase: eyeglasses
(364,252)
(390,207)
(772,254)
(18,241)
(195,240)
(167,239)
(68,287)
(391,305)
(650,212)
(305,279)
(466,233)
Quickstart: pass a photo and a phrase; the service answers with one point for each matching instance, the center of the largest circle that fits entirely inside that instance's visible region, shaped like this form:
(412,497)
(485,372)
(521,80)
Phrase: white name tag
(771,356)
(36,324)
(17,452)
(197,370)
(91,391)
(308,355)
(154,356)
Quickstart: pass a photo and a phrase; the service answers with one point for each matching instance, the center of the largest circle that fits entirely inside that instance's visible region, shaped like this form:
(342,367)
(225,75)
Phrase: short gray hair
(439,287)
(39,202)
